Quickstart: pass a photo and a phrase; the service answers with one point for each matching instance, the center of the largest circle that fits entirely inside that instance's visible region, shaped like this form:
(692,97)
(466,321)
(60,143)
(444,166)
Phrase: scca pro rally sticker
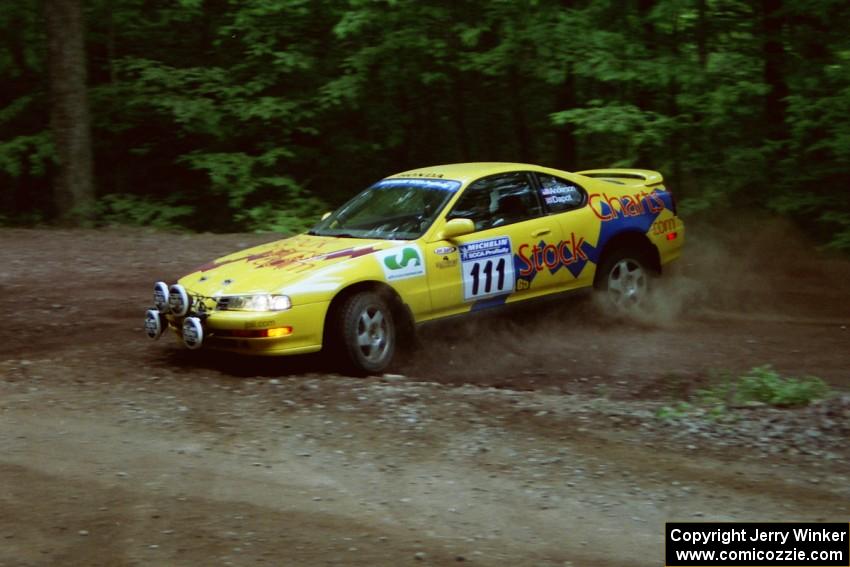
(487,267)
(401,263)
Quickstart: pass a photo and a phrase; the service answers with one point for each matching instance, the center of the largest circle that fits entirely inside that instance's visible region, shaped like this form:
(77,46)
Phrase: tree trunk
(773,52)
(73,191)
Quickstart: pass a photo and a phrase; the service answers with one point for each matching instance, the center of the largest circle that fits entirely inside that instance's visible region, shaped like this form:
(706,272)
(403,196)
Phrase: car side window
(498,200)
(559,194)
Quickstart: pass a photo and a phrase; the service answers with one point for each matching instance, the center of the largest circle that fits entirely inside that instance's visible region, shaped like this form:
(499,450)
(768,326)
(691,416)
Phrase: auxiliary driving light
(193,332)
(160,297)
(178,300)
(278,332)
(154,325)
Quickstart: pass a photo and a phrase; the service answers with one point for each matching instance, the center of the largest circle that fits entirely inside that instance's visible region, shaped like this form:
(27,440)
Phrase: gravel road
(528,439)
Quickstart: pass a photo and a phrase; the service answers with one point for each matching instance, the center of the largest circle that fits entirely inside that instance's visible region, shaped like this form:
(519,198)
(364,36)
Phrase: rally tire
(366,335)
(624,280)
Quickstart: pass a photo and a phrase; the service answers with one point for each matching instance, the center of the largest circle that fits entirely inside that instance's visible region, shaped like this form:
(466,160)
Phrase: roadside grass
(760,386)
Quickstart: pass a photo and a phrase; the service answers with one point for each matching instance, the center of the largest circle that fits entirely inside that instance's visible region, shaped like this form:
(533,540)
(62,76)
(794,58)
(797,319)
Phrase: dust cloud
(700,316)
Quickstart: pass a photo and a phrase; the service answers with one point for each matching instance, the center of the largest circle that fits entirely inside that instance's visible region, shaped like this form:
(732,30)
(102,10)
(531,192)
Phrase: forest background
(232,115)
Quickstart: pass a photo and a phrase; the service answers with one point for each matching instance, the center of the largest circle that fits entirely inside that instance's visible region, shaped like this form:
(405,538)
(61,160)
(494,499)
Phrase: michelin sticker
(401,263)
(487,267)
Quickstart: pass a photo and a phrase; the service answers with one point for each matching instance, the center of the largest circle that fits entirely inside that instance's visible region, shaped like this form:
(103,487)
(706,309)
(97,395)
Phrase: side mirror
(457,227)
(326,215)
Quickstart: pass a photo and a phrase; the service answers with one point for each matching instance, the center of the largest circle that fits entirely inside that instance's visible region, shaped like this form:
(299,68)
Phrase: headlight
(254,303)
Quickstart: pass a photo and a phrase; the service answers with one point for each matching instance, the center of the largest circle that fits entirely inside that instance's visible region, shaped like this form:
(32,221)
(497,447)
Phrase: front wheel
(624,279)
(366,333)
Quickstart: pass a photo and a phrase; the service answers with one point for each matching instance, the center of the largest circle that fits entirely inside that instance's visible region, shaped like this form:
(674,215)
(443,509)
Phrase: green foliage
(765,385)
(685,410)
(254,114)
(261,200)
(841,233)
(132,210)
(636,129)
(674,412)
(761,385)
(26,154)
(287,217)
(26,219)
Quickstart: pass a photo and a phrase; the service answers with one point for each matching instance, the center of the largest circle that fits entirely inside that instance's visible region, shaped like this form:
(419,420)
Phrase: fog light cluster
(179,300)
(175,299)
(155,323)
(193,332)
(160,297)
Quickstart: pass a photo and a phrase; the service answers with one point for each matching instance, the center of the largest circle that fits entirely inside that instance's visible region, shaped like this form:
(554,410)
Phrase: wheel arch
(402,315)
(631,240)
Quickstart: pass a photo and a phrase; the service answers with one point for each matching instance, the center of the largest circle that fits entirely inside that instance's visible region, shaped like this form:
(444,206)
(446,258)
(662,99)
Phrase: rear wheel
(366,333)
(624,278)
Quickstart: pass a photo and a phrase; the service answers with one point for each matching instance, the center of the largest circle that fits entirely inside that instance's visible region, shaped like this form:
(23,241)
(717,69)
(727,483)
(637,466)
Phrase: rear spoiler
(635,177)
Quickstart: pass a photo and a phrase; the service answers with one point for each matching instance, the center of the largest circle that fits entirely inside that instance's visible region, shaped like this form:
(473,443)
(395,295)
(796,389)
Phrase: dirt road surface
(531,439)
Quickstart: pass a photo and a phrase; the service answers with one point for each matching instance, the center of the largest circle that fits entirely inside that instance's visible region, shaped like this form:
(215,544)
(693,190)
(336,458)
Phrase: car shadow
(246,366)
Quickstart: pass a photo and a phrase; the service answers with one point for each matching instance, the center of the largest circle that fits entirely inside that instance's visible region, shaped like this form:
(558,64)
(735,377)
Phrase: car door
(483,269)
(572,257)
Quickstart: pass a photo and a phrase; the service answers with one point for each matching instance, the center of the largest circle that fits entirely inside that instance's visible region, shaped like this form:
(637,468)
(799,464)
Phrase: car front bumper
(294,331)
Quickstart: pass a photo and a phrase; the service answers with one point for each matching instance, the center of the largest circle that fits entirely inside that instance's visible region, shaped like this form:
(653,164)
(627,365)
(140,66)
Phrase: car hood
(269,267)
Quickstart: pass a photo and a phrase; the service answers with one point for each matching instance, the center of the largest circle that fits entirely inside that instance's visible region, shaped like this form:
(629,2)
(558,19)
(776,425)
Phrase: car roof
(466,172)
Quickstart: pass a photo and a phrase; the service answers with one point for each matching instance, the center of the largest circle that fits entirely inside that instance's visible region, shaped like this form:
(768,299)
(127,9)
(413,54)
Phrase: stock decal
(487,268)
(571,254)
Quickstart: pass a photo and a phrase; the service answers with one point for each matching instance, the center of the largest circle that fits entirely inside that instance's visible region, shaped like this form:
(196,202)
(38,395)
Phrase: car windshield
(391,209)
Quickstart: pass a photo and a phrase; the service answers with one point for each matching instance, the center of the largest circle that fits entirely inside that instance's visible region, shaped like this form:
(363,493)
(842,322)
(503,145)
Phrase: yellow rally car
(423,245)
